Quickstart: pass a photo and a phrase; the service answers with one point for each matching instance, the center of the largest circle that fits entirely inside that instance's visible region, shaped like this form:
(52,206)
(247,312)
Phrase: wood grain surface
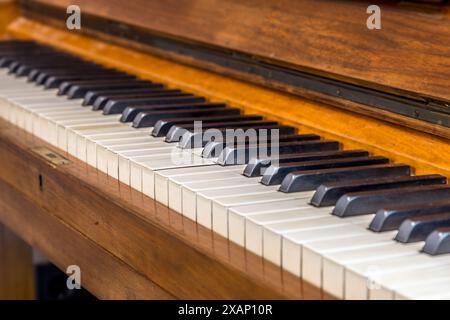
(9,10)
(102,274)
(425,152)
(87,218)
(410,53)
(178,256)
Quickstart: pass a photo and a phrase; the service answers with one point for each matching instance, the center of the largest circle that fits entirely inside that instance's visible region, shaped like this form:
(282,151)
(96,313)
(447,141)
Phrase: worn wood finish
(179,256)
(409,54)
(9,10)
(427,153)
(102,274)
(16,265)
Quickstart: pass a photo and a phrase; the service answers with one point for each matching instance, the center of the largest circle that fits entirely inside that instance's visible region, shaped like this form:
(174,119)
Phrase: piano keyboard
(353,224)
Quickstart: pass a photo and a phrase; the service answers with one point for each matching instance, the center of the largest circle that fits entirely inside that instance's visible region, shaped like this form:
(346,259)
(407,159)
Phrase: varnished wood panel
(102,274)
(410,53)
(427,153)
(9,10)
(16,265)
(181,257)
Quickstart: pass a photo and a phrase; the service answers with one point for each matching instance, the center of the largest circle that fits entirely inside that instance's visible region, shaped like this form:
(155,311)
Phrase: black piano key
(23,69)
(310,180)
(328,194)
(147,119)
(256,165)
(241,155)
(367,202)
(60,70)
(438,242)
(418,228)
(39,75)
(131,112)
(17,43)
(163,126)
(53,81)
(275,174)
(77,89)
(7,59)
(390,218)
(8,48)
(47,59)
(137,96)
(20,68)
(174,107)
(152,103)
(187,130)
(196,140)
(214,148)
(49,55)
(10,55)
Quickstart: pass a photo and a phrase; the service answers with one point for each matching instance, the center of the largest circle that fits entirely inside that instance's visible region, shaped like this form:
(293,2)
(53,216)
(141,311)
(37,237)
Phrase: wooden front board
(409,54)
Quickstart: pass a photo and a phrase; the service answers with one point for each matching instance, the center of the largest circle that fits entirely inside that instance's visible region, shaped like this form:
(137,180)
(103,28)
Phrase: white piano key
(124,160)
(47,123)
(273,234)
(10,89)
(72,132)
(162,176)
(259,215)
(281,227)
(189,192)
(117,160)
(312,253)
(142,170)
(292,243)
(147,169)
(23,96)
(101,147)
(71,136)
(82,133)
(172,195)
(426,291)
(336,279)
(61,129)
(358,276)
(212,207)
(82,148)
(46,100)
(386,286)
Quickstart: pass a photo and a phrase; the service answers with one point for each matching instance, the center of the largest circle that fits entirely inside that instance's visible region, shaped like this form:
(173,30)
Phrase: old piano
(100,165)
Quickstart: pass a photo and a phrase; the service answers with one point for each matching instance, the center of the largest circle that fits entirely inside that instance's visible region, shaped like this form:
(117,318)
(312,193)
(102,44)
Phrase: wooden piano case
(129,246)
